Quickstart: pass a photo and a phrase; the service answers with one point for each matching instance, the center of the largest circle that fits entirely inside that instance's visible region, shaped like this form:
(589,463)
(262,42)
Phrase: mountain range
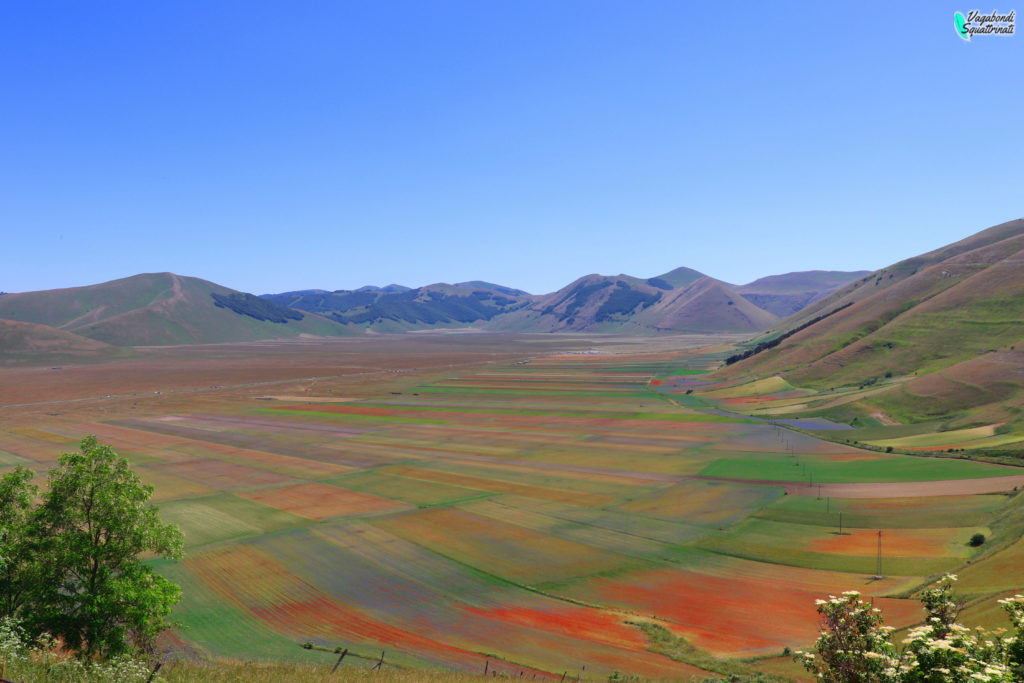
(682,300)
(164,309)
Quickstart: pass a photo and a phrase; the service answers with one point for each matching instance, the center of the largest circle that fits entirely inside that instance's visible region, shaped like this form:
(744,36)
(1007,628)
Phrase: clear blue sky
(271,146)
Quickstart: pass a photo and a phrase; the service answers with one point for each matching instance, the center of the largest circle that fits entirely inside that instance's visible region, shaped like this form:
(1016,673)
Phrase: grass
(893,468)
(223,670)
(665,642)
(867,513)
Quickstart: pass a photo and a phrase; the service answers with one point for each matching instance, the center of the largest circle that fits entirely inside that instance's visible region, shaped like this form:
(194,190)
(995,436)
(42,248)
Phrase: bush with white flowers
(43,661)
(855,646)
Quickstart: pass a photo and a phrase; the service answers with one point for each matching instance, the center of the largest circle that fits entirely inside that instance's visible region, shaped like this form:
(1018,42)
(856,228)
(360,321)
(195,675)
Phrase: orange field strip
(321,501)
(714,611)
(897,542)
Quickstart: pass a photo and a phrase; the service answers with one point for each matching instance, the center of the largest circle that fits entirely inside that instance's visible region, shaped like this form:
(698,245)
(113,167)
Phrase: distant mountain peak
(680,277)
(373,288)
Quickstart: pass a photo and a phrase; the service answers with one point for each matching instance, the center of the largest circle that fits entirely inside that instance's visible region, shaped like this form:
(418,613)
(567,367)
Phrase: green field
(783,467)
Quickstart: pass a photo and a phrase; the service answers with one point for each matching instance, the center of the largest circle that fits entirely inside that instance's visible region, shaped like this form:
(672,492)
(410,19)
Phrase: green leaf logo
(961,26)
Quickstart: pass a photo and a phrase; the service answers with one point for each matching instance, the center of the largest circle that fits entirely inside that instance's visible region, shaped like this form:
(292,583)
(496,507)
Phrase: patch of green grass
(949,511)
(12,459)
(217,625)
(263,517)
(664,642)
(202,524)
(892,468)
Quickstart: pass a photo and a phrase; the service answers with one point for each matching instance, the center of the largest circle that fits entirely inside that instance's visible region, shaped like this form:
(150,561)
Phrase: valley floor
(534,505)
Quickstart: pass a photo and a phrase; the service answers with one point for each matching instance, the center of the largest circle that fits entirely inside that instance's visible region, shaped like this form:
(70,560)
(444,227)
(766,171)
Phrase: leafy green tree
(17,558)
(91,528)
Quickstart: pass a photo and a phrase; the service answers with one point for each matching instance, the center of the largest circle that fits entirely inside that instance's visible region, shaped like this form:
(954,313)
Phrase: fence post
(338,663)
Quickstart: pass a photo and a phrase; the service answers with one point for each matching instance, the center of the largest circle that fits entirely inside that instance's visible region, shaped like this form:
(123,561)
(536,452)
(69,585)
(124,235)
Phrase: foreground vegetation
(71,565)
(856,647)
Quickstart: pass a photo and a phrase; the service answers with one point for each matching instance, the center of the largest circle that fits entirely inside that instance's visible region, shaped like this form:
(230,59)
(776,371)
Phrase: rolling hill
(162,309)
(937,337)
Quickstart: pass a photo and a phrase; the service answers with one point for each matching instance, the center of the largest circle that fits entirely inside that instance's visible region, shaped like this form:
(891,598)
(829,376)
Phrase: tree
(90,529)
(16,553)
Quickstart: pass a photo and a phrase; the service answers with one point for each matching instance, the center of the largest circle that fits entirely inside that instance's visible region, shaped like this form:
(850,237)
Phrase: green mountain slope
(162,309)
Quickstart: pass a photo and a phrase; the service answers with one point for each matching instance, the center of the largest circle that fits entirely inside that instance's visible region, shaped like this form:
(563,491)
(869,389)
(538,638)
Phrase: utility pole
(878,564)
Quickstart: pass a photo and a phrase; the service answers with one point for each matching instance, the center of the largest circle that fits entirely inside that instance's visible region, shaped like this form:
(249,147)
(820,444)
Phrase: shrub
(977,539)
(856,647)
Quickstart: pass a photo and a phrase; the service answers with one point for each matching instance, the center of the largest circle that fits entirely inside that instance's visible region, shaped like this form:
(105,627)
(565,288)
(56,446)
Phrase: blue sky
(271,146)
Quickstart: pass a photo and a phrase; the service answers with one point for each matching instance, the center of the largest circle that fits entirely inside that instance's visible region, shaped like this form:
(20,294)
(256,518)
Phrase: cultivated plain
(531,504)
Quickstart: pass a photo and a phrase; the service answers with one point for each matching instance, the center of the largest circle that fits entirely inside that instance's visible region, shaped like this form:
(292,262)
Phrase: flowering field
(535,517)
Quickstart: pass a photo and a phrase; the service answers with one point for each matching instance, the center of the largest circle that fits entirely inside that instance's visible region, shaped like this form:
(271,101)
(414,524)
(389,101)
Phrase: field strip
(269,425)
(896,489)
(245,385)
(265,445)
(308,399)
(438,454)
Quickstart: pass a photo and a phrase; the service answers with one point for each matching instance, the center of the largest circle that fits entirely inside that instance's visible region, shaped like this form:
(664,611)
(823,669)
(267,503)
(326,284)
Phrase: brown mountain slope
(871,284)
(160,309)
(938,338)
(706,305)
(29,341)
